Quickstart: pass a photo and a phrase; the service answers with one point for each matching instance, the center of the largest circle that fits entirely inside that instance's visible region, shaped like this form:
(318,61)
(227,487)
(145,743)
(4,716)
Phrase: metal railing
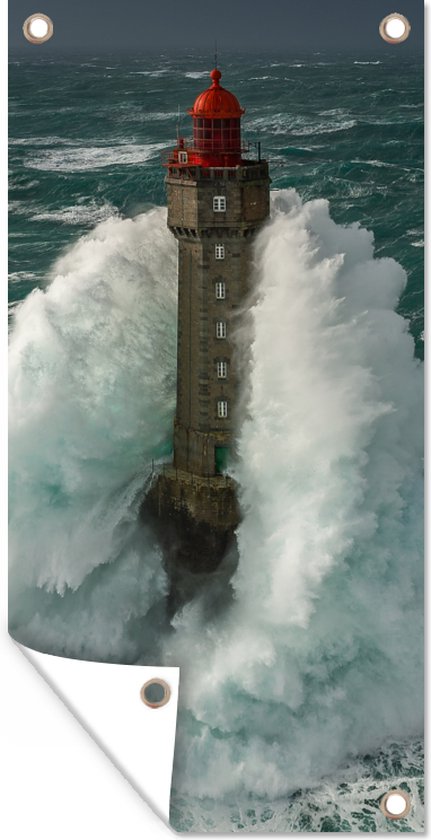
(245,148)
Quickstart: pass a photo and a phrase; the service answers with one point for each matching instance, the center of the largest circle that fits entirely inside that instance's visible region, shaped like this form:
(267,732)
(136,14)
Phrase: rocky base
(195,521)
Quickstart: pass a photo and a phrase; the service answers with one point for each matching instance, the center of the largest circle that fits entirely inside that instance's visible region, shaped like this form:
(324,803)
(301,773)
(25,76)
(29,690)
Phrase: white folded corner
(105,698)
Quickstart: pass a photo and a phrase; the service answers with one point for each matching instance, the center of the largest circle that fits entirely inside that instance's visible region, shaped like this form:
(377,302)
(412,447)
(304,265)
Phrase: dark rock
(195,520)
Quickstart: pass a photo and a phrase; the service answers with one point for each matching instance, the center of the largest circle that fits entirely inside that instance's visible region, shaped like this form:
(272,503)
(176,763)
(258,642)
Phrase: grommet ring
(38,28)
(155,693)
(394,28)
(395,804)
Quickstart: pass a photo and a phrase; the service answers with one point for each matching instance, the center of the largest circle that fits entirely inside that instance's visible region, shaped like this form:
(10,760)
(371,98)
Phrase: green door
(221,459)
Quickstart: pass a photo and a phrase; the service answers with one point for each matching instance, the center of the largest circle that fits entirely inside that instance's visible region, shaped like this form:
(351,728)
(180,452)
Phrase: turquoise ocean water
(92,320)
(86,135)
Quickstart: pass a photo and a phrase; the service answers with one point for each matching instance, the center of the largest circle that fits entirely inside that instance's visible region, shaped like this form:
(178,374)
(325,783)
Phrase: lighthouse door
(221,458)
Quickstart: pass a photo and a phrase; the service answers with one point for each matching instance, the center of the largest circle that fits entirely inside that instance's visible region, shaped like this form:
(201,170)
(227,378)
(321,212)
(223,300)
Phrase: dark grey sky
(138,25)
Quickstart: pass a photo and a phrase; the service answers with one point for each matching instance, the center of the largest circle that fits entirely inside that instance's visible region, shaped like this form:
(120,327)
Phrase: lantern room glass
(214,135)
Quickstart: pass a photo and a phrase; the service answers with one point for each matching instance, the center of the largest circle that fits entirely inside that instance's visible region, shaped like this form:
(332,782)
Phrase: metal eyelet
(394,28)
(38,28)
(395,804)
(155,693)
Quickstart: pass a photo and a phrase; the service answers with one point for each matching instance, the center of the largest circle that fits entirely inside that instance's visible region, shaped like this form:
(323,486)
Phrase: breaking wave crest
(86,356)
(81,159)
(316,659)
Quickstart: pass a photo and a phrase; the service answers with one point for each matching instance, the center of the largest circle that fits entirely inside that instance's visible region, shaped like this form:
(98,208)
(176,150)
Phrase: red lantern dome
(216,126)
(216,130)
(216,102)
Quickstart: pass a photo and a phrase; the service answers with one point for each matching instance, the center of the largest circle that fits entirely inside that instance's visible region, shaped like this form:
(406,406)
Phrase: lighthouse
(217,200)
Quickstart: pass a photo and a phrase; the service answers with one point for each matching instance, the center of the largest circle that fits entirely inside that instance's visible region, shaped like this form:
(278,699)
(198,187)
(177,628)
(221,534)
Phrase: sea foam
(92,393)
(317,658)
(83,158)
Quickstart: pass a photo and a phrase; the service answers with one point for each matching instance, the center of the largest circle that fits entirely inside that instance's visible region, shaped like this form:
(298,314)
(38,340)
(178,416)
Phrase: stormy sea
(301,679)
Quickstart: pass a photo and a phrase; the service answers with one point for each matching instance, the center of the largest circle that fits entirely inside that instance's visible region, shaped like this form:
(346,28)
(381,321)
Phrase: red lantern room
(217,124)
(216,128)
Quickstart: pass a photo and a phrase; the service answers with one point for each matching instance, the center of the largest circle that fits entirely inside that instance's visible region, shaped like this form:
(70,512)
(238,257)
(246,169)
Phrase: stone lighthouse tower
(217,199)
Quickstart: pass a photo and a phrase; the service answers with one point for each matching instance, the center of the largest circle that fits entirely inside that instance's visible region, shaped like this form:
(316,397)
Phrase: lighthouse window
(222,408)
(220,290)
(219,203)
(221,329)
(182,157)
(219,252)
(221,370)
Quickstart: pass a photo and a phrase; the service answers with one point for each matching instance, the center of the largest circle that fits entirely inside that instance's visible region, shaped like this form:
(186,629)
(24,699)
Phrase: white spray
(92,393)
(317,659)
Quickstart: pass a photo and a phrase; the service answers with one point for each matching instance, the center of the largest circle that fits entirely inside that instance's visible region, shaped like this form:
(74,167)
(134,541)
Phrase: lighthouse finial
(215,54)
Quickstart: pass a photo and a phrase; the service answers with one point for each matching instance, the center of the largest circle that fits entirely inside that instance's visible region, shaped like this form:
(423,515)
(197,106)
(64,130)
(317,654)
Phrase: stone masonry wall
(198,228)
